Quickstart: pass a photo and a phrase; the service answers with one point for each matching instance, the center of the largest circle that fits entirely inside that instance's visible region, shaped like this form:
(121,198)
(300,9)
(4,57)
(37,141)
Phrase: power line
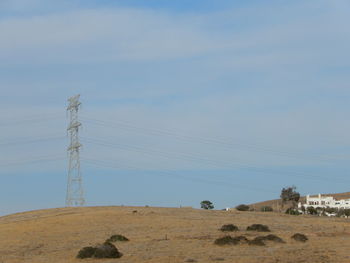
(46,158)
(30,140)
(30,119)
(226,143)
(172,175)
(219,164)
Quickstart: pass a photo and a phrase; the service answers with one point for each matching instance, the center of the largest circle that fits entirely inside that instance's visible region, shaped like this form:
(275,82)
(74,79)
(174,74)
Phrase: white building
(325,201)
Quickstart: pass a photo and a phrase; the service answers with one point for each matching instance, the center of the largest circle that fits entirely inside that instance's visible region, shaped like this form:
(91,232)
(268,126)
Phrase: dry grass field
(167,235)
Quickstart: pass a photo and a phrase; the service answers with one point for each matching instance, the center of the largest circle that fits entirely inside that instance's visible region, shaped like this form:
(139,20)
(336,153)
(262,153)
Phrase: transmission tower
(75,193)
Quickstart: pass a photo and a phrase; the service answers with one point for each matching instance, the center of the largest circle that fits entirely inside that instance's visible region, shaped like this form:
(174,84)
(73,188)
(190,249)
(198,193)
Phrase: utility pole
(75,193)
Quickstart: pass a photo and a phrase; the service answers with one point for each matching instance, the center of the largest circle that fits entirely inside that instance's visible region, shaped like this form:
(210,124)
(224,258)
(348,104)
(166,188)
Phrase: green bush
(311,210)
(229,228)
(242,207)
(292,211)
(331,210)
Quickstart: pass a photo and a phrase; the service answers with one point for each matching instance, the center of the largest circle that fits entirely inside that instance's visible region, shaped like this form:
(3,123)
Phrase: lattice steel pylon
(75,192)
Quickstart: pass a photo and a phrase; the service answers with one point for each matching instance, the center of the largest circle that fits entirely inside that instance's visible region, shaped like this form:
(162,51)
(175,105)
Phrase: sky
(182,101)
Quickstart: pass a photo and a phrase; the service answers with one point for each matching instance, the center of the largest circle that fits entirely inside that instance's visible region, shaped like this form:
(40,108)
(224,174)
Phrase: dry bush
(86,252)
(270,237)
(299,237)
(274,238)
(229,228)
(116,238)
(228,240)
(106,250)
(258,227)
(256,242)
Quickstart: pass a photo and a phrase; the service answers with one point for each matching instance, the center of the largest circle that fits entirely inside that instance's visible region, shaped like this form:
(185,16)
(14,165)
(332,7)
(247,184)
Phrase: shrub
(116,238)
(273,238)
(257,242)
(331,210)
(299,237)
(206,204)
(343,212)
(106,250)
(241,239)
(258,227)
(86,252)
(266,209)
(292,211)
(311,210)
(242,207)
(228,240)
(229,228)
(347,212)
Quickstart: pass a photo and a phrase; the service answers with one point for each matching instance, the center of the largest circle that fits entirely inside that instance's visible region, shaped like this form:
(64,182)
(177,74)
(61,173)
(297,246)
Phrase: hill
(276,204)
(160,235)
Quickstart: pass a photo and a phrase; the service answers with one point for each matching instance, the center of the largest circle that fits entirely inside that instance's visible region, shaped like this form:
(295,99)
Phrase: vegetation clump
(258,227)
(86,252)
(229,228)
(242,239)
(242,207)
(206,204)
(271,237)
(266,208)
(115,238)
(292,211)
(228,240)
(311,210)
(257,242)
(106,250)
(299,237)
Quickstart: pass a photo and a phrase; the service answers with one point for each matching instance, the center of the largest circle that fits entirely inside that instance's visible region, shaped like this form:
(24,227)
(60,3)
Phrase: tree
(290,194)
(206,204)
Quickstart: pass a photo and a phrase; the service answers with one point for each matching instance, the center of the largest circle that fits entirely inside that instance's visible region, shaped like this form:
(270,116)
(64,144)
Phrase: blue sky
(182,100)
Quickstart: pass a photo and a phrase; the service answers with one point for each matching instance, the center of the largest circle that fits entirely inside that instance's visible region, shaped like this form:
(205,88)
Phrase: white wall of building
(325,201)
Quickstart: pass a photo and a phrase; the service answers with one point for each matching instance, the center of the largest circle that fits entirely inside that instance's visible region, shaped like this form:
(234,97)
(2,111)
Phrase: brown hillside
(277,204)
(160,235)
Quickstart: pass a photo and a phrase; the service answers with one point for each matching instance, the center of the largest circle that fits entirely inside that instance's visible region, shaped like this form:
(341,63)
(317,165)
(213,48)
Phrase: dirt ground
(167,235)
